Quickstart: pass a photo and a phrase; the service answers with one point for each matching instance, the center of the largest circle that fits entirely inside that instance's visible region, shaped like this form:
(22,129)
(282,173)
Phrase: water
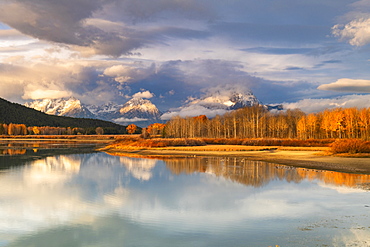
(51,197)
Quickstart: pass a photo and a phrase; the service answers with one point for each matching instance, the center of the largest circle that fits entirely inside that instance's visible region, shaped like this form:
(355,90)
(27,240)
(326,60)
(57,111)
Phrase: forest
(22,129)
(16,114)
(258,122)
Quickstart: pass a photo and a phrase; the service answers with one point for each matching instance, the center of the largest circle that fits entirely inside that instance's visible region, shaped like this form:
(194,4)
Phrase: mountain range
(139,111)
(19,114)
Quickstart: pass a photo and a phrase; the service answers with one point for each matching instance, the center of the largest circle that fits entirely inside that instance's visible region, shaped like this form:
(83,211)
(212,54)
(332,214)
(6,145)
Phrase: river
(65,194)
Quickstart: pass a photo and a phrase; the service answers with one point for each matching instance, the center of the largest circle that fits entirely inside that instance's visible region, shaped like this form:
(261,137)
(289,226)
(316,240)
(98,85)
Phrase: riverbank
(307,157)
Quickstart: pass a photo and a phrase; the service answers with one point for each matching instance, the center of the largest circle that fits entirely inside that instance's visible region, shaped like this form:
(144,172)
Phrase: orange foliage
(351,146)
(156,129)
(156,142)
(270,142)
(131,128)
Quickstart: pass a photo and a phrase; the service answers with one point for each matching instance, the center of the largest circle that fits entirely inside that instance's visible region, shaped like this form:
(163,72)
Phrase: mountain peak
(70,107)
(227,100)
(139,106)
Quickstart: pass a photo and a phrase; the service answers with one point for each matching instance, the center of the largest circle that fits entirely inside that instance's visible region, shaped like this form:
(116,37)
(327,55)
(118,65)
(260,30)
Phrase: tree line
(22,129)
(258,122)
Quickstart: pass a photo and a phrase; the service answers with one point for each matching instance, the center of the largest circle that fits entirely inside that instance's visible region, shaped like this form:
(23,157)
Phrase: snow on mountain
(70,107)
(228,100)
(138,110)
(217,102)
(143,112)
(107,111)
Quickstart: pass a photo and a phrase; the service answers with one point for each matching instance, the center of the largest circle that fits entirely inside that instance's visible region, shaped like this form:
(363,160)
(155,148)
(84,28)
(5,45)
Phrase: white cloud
(316,105)
(356,32)
(129,73)
(46,94)
(348,85)
(143,95)
(192,111)
(129,120)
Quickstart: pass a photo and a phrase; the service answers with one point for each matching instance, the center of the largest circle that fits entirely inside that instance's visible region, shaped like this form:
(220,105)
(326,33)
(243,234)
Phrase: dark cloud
(293,68)
(72,23)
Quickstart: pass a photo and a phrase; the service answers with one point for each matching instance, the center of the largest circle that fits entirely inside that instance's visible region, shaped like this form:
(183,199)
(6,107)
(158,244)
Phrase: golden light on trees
(131,128)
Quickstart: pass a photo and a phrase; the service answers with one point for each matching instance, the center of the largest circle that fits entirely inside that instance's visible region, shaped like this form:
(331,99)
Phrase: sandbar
(313,158)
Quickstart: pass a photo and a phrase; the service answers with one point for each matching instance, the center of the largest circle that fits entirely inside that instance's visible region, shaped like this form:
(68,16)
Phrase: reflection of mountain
(257,173)
(139,168)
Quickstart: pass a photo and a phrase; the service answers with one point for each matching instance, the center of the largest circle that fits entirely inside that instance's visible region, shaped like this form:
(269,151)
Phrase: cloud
(144,95)
(129,120)
(192,111)
(129,73)
(46,94)
(317,105)
(99,27)
(348,85)
(356,32)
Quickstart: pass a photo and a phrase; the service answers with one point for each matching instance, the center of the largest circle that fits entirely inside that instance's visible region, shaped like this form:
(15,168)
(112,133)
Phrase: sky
(307,54)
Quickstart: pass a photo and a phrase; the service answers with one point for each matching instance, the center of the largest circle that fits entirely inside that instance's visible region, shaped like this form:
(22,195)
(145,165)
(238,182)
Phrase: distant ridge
(19,114)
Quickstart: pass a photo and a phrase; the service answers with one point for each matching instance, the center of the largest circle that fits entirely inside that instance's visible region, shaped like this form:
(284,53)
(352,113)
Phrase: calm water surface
(51,197)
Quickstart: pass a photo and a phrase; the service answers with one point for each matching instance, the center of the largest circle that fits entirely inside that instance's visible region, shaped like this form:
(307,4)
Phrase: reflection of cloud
(139,168)
(342,189)
(52,170)
(86,188)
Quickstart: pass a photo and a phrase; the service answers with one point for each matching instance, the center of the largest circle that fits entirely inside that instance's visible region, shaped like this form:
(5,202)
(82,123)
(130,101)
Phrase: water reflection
(258,173)
(101,200)
(20,147)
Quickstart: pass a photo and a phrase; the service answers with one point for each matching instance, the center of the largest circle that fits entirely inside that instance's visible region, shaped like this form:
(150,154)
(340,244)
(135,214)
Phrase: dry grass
(193,144)
(140,143)
(270,142)
(350,146)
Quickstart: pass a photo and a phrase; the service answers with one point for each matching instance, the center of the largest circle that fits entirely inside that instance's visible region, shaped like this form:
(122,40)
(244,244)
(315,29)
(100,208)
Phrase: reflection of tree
(336,178)
(258,173)
(13,151)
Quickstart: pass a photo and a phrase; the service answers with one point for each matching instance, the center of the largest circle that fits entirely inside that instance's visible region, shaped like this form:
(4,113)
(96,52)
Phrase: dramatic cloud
(348,85)
(107,50)
(96,26)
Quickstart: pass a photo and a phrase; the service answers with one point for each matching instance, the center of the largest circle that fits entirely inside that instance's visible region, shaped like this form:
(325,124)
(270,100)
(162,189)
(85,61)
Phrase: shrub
(351,146)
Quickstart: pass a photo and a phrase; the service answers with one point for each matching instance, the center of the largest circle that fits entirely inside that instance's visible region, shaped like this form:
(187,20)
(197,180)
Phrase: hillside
(18,114)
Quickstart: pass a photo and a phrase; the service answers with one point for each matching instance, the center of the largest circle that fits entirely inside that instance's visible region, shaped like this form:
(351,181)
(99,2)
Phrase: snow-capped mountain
(70,107)
(143,112)
(107,111)
(227,101)
(217,102)
(139,108)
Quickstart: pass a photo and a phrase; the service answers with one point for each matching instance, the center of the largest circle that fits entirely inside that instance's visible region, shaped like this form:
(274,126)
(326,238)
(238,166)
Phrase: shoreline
(312,158)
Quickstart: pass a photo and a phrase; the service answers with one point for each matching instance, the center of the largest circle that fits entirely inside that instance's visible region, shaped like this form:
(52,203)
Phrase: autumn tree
(156,129)
(99,131)
(131,128)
